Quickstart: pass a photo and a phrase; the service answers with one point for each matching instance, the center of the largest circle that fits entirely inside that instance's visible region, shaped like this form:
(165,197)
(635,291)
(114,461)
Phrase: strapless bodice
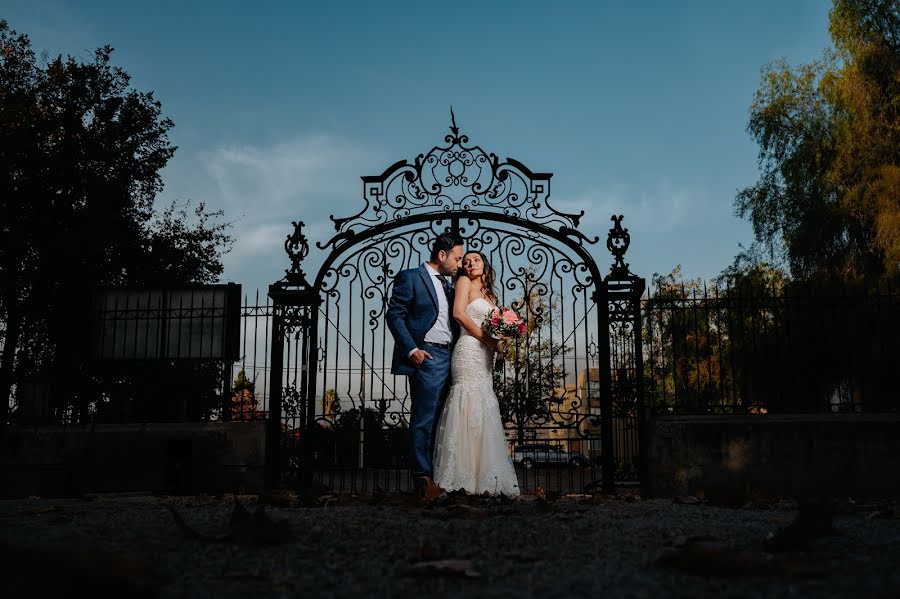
(478,310)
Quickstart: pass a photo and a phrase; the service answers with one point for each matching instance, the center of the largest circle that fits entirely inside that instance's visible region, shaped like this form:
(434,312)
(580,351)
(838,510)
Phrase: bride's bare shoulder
(463,283)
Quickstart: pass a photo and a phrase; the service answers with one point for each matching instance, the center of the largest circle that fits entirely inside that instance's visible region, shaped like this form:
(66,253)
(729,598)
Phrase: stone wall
(735,458)
(58,461)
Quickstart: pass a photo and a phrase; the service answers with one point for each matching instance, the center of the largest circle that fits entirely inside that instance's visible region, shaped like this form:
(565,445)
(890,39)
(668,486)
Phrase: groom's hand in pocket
(419,356)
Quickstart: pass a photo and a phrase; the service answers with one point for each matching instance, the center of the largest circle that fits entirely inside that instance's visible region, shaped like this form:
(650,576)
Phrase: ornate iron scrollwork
(617,243)
(297,248)
(296,319)
(552,384)
(454,177)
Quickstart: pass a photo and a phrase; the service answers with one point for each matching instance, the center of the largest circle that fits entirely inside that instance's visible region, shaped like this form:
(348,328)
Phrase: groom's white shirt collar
(440,332)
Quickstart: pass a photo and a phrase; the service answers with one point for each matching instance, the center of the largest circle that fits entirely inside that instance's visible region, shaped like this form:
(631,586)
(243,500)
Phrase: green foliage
(82,153)
(527,380)
(243,404)
(828,204)
(382,445)
(674,337)
(526,384)
(754,341)
(828,198)
(331,403)
(349,420)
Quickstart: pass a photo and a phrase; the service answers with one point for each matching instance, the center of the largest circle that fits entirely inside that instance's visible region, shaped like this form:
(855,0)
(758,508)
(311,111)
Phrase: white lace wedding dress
(470,447)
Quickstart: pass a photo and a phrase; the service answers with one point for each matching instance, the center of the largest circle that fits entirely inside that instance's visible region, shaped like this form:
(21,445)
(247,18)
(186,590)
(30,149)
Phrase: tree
(682,339)
(755,341)
(800,345)
(382,444)
(828,198)
(82,154)
(528,379)
(331,403)
(244,404)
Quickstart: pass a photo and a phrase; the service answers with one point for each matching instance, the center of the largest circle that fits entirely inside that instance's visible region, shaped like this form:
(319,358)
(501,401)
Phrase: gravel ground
(395,545)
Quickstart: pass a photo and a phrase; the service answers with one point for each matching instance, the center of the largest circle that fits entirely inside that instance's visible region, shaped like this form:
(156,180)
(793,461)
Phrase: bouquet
(503,323)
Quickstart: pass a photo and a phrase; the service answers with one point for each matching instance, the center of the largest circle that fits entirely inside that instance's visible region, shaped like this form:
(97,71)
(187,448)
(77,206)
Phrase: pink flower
(522,327)
(510,317)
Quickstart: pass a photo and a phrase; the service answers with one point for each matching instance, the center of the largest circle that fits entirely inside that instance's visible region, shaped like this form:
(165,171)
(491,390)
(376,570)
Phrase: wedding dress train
(470,447)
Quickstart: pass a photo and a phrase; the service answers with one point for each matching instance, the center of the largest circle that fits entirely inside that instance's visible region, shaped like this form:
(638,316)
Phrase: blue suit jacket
(412,311)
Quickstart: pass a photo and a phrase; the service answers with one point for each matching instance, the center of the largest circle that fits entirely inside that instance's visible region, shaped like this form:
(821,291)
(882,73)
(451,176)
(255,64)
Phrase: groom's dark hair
(444,243)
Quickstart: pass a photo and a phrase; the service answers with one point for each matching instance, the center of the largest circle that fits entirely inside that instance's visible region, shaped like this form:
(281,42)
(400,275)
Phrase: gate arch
(569,390)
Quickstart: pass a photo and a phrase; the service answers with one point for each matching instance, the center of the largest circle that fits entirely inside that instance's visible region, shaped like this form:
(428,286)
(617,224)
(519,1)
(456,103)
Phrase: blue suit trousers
(428,387)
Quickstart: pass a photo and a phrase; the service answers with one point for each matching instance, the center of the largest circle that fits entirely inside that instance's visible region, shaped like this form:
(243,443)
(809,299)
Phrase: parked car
(546,454)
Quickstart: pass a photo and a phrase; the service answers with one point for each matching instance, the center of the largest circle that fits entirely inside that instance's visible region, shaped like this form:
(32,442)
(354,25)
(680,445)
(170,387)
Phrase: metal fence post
(273,422)
(601,297)
(295,310)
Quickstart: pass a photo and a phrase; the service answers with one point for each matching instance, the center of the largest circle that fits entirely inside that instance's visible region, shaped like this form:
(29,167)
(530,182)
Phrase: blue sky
(637,108)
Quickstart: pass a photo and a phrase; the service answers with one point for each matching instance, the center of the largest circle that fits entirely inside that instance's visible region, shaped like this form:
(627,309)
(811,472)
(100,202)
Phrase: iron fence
(773,348)
(706,350)
(193,354)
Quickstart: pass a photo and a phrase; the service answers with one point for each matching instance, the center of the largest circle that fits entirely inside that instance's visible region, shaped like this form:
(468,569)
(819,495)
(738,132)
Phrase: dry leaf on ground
(711,560)
(41,509)
(461,510)
(445,567)
(278,498)
(812,521)
(255,528)
(45,571)
(687,499)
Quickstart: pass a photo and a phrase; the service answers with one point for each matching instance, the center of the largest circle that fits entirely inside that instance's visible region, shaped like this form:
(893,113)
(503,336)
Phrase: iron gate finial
(297,247)
(453,126)
(617,243)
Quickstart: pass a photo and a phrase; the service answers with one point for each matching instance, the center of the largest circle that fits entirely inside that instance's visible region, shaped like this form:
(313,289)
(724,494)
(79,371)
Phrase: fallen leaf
(278,498)
(684,541)
(813,521)
(245,528)
(261,529)
(687,499)
(445,567)
(712,560)
(426,552)
(238,513)
(467,512)
(309,495)
(890,512)
(41,509)
(540,506)
(578,497)
(76,572)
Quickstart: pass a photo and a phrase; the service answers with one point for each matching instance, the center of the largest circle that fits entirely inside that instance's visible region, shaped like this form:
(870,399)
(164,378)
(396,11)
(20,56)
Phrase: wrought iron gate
(569,390)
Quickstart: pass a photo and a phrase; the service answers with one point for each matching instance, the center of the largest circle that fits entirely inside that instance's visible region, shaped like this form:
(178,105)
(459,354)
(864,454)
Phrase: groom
(420,318)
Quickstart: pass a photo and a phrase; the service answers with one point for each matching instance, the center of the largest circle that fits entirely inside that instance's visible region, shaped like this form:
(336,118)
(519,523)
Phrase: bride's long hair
(487,275)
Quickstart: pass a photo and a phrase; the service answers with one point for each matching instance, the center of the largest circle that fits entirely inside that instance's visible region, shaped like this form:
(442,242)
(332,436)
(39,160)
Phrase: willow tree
(828,196)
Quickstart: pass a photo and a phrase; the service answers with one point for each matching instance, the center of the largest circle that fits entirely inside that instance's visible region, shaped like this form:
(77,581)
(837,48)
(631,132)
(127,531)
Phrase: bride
(470,447)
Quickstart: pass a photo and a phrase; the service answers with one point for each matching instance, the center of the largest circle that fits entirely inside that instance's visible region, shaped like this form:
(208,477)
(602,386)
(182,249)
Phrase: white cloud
(263,188)
(290,174)
(657,208)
